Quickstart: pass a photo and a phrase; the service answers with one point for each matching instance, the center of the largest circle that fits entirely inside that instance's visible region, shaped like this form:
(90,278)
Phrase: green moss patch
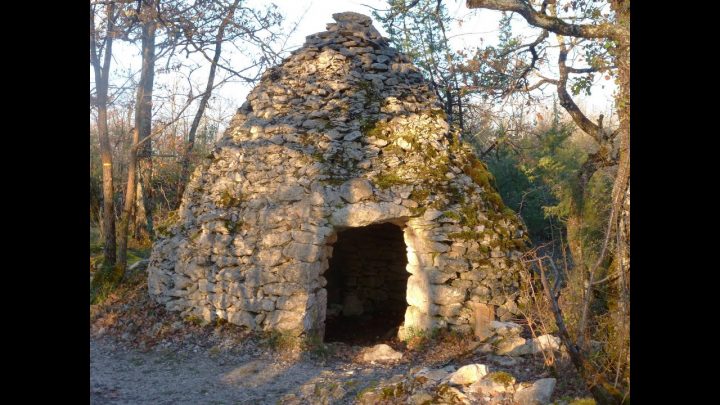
(501,377)
(387,180)
(228,199)
(465,235)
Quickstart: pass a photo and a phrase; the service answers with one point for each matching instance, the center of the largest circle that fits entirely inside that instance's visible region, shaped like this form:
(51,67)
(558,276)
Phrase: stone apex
(351,17)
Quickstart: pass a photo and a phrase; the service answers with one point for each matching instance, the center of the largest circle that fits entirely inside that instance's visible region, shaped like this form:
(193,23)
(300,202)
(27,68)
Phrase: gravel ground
(125,375)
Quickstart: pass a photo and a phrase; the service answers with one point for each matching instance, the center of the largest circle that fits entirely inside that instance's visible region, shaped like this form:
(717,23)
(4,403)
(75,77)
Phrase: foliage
(539,177)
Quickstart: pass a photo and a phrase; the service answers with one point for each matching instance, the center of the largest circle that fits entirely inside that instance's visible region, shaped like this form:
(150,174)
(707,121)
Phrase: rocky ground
(141,354)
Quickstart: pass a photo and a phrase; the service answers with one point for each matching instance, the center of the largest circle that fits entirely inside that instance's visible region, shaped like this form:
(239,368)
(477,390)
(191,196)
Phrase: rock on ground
(381,352)
(537,394)
(469,374)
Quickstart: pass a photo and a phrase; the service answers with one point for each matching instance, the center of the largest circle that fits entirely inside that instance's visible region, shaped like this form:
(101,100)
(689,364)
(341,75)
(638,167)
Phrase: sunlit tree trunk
(143,121)
(101,84)
(128,206)
(621,187)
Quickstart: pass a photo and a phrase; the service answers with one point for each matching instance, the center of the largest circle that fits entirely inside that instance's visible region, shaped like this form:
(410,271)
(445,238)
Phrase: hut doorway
(366,285)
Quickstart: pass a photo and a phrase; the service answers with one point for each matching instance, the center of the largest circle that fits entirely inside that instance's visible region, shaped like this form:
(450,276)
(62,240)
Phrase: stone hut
(340,191)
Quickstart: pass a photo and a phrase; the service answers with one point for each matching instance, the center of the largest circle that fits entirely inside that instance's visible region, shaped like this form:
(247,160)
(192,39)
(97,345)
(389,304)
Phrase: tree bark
(551,23)
(101,85)
(128,205)
(143,121)
(143,114)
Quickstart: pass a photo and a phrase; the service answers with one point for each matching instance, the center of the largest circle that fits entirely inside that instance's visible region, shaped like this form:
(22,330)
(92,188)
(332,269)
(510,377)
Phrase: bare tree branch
(552,24)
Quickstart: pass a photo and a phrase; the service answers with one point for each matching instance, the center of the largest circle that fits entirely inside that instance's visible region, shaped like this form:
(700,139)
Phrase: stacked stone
(344,133)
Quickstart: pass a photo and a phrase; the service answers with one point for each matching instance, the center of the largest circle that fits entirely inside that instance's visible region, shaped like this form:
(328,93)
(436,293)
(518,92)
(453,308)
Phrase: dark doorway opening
(366,285)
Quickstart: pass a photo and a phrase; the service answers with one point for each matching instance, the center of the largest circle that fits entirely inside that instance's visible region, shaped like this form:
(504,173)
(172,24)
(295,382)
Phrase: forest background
(540,89)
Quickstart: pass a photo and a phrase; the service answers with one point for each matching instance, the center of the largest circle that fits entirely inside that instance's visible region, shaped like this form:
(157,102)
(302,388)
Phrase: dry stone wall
(344,133)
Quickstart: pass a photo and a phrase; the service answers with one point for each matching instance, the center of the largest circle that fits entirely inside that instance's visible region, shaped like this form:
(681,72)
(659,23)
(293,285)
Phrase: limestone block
(445,294)
(512,346)
(543,343)
(291,193)
(539,393)
(493,383)
(484,317)
(449,311)
(302,251)
(242,318)
(506,328)
(300,272)
(381,353)
(283,289)
(468,374)
(307,237)
(258,276)
(356,190)
(275,239)
(419,291)
(417,320)
(269,257)
(286,321)
(362,214)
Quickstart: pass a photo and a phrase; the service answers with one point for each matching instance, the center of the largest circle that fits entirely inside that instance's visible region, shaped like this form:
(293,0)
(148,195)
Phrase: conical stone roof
(344,133)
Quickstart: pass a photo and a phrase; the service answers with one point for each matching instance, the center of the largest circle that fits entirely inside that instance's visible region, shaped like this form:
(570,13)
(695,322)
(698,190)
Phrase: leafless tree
(100,59)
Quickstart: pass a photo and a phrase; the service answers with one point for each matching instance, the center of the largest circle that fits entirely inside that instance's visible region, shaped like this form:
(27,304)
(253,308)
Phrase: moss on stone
(233,226)
(392,149)
(452,215)
(430,153)
(501,377)
(495,198)
(227,199)
(417,211)
(387,180)
(163,227)
(456,196)
(419,194)
(371,127)
(465,235)
(469,215)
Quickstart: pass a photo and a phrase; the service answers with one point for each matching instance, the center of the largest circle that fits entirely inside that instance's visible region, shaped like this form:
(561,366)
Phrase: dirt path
(121,375)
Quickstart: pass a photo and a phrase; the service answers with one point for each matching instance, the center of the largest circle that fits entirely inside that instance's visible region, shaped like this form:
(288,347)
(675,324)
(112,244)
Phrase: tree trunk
(101,85)
(143,114)
(139,219)
(128,207)
(143,121)
(621,187)
(108,227)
